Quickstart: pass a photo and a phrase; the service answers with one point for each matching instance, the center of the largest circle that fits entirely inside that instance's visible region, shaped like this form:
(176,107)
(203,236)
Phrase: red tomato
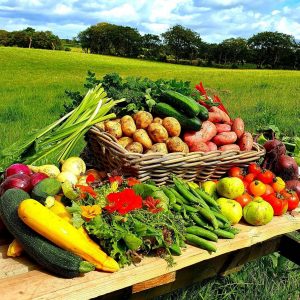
(269,190)
(254,169)
(279,204)
(257,188)
(278,184)
(292,198)
(266,177)
(236,172)
(244,199)
(246,185)
(249,177)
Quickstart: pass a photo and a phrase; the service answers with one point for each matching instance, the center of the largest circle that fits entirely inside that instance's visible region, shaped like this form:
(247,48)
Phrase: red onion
(293,185)
(18,181)
(287,168)
(37,177)
(274,149)
(17,169)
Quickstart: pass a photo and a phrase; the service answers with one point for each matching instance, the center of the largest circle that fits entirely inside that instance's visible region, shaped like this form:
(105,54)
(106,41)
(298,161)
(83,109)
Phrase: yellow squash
(63,234)
(14,249)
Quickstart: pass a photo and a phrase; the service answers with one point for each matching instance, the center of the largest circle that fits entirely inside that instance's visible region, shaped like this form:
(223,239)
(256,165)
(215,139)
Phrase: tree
(4,37)
(30,32)
(269,47)
(182,42)
(151,45)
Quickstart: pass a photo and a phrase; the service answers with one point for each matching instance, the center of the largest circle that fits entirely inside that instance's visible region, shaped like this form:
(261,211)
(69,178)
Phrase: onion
(287,168)
(293,185)
(37,177)
(67,176)
(74,165)
(17,169)
(18,181)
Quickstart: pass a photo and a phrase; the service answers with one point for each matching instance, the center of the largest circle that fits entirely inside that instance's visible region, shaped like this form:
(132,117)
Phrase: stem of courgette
(86,267)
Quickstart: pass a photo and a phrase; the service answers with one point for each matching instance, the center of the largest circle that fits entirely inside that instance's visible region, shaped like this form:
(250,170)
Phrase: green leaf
(144,190)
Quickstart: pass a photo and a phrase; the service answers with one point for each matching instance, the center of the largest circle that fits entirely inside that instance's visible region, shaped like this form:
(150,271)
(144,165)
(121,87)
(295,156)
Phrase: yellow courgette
(63,234)
(14,249)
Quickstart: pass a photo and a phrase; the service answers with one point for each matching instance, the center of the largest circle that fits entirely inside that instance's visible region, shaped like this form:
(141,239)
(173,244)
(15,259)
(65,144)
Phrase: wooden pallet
(21,278)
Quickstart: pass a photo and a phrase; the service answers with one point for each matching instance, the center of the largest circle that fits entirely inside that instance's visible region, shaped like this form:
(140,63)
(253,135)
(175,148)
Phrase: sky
(214,20)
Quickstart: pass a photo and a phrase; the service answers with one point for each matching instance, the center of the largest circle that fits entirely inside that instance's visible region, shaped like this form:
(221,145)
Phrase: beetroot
(293,185)
(287,168)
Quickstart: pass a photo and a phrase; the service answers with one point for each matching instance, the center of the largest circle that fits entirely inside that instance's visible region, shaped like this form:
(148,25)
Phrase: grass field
(32,85)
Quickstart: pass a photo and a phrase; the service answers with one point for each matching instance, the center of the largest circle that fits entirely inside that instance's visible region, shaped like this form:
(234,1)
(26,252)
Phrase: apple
(231,209)
(258,212)
(230,187)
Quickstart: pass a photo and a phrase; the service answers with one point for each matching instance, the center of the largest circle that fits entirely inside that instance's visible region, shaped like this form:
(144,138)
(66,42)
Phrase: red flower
(131,181)
(123,202)
(118,179)
(151,204)
(90,178)
(84,190)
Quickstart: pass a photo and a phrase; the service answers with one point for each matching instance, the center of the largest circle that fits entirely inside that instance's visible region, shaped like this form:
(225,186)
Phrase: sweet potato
(246,141)
(175,144)
(141,136)
(225,138)
(135,147)
(206,133)
(229,147)
(172,125)
(128,126)
(211,146)
(200,146)
(114,128)
(216,115)
(223,127)
(142,119)
(238,127)
(157,133)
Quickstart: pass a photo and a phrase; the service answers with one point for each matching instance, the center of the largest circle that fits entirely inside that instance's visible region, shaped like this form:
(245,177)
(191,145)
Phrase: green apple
(210,187)
(231,209)
(230,187)
(258,212)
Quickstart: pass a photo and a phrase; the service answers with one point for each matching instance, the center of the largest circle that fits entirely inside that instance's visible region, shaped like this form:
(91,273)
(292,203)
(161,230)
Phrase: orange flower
(89,212)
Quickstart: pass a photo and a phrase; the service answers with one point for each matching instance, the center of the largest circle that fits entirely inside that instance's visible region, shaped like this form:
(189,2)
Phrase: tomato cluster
(264,184)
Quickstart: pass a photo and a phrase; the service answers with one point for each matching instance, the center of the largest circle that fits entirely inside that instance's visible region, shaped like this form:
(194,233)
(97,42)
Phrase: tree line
(177,45)
(183,45)
(30,38)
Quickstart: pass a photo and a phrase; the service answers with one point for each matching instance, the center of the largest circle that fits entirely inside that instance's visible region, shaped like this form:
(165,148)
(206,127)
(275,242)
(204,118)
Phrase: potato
(157,133)
(246,141)
(128,126)
(223,127)
(172,125)
(199,147)
(225,138)
(186,148)
(135,147)
(125,141)
(100,126)
(175,144)
(159,147)
(142,119)
(238,127)
(211,146)
(229,147)
(114,128)
(142,137)
(158,120)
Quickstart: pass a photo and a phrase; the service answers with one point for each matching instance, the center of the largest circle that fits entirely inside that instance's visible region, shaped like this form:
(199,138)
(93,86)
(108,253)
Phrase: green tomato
(230,187)
(231,209)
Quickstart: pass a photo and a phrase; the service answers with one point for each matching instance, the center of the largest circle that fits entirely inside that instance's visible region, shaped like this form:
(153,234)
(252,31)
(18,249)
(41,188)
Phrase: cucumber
(187,104)
(56,260)
(166,110)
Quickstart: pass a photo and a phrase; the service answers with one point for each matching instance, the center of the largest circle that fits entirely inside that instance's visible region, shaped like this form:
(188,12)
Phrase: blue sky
(214,20)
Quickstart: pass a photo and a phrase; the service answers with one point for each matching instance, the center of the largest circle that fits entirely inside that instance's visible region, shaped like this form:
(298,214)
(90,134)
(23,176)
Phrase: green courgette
(187,104)
(56,260)
(165,110)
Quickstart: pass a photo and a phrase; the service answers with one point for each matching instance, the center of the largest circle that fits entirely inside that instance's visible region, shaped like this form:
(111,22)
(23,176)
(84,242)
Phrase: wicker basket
(108,155)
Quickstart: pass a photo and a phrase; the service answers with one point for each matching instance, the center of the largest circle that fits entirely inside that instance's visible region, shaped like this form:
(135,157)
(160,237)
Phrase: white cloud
(62,9)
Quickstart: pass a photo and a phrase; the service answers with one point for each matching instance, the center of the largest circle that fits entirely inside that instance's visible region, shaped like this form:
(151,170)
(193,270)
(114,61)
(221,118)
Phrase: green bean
(176,207)
(170,195)
(209,216)
(178,196)
(232,230)
(199,231)
(210,200)
(223,234)
(220,216)
(199,221)
(190,208)
(200,242)
(203,203)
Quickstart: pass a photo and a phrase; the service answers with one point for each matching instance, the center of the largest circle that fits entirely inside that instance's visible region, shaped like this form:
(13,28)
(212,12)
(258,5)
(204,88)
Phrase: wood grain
(37,284)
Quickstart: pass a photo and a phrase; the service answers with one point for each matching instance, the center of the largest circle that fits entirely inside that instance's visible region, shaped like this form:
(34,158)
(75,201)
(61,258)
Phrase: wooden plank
(41,285)
(154,282)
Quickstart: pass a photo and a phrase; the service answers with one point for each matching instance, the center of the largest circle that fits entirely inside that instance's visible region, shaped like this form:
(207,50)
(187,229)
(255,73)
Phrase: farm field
(32,85)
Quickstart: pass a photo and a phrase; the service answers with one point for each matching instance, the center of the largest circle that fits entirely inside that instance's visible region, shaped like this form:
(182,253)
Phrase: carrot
(238,127)
(225,138)
(206,133)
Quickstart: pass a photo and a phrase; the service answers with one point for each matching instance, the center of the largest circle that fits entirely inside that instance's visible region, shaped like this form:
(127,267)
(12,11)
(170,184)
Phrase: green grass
(32,85)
